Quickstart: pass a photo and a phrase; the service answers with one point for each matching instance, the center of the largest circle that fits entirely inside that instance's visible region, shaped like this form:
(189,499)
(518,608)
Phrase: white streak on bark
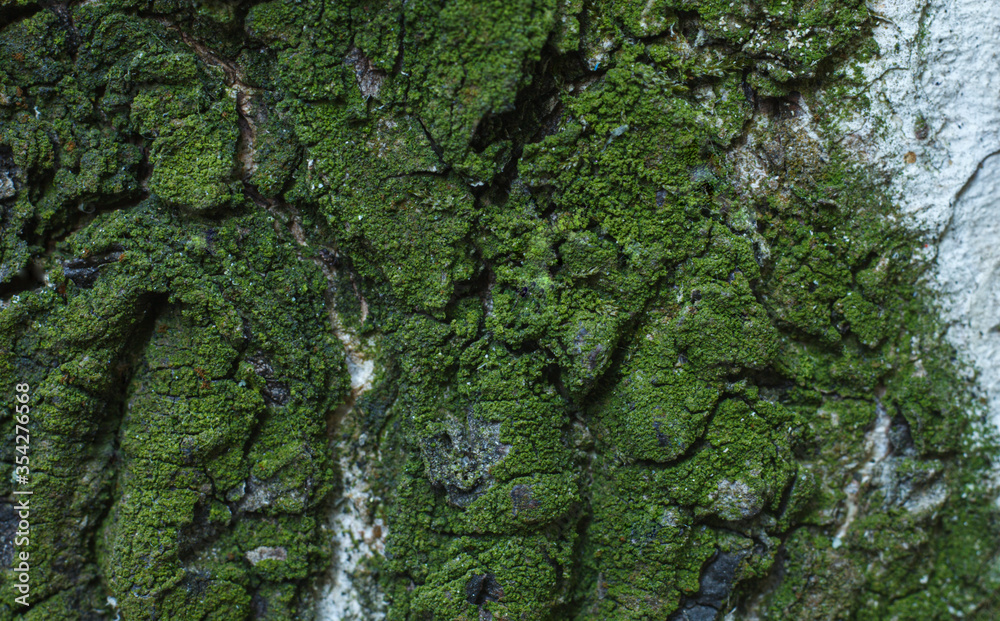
(349,595)
(876,450)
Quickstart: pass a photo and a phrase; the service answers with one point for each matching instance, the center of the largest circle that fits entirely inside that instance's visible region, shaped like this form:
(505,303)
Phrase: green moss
(214,371)
(193,162)
(602,364)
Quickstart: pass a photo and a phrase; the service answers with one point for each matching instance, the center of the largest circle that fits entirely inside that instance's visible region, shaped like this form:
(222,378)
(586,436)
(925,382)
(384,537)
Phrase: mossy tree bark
(470,310)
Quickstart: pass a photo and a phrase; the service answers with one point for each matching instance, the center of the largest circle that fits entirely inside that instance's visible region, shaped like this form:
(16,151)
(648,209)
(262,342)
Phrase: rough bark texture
(557,309)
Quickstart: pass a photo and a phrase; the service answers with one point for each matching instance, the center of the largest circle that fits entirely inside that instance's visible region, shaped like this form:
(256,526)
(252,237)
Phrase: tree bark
(441,309)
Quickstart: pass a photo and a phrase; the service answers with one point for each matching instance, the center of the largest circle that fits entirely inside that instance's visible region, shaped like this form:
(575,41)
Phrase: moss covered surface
(618,377)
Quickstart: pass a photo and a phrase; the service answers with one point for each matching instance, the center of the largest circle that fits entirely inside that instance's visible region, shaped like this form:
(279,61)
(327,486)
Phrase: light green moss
(602,365)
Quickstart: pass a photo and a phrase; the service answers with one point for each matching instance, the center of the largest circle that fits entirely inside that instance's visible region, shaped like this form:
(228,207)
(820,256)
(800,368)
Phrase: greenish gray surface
(613,382)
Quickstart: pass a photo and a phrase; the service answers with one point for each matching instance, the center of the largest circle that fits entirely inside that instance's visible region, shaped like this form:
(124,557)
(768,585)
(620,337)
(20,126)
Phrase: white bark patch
(264,553)
(351,593)
(876,450)
(935,125)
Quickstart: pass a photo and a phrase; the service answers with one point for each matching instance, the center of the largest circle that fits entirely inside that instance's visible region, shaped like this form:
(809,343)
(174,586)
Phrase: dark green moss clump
(638,336)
